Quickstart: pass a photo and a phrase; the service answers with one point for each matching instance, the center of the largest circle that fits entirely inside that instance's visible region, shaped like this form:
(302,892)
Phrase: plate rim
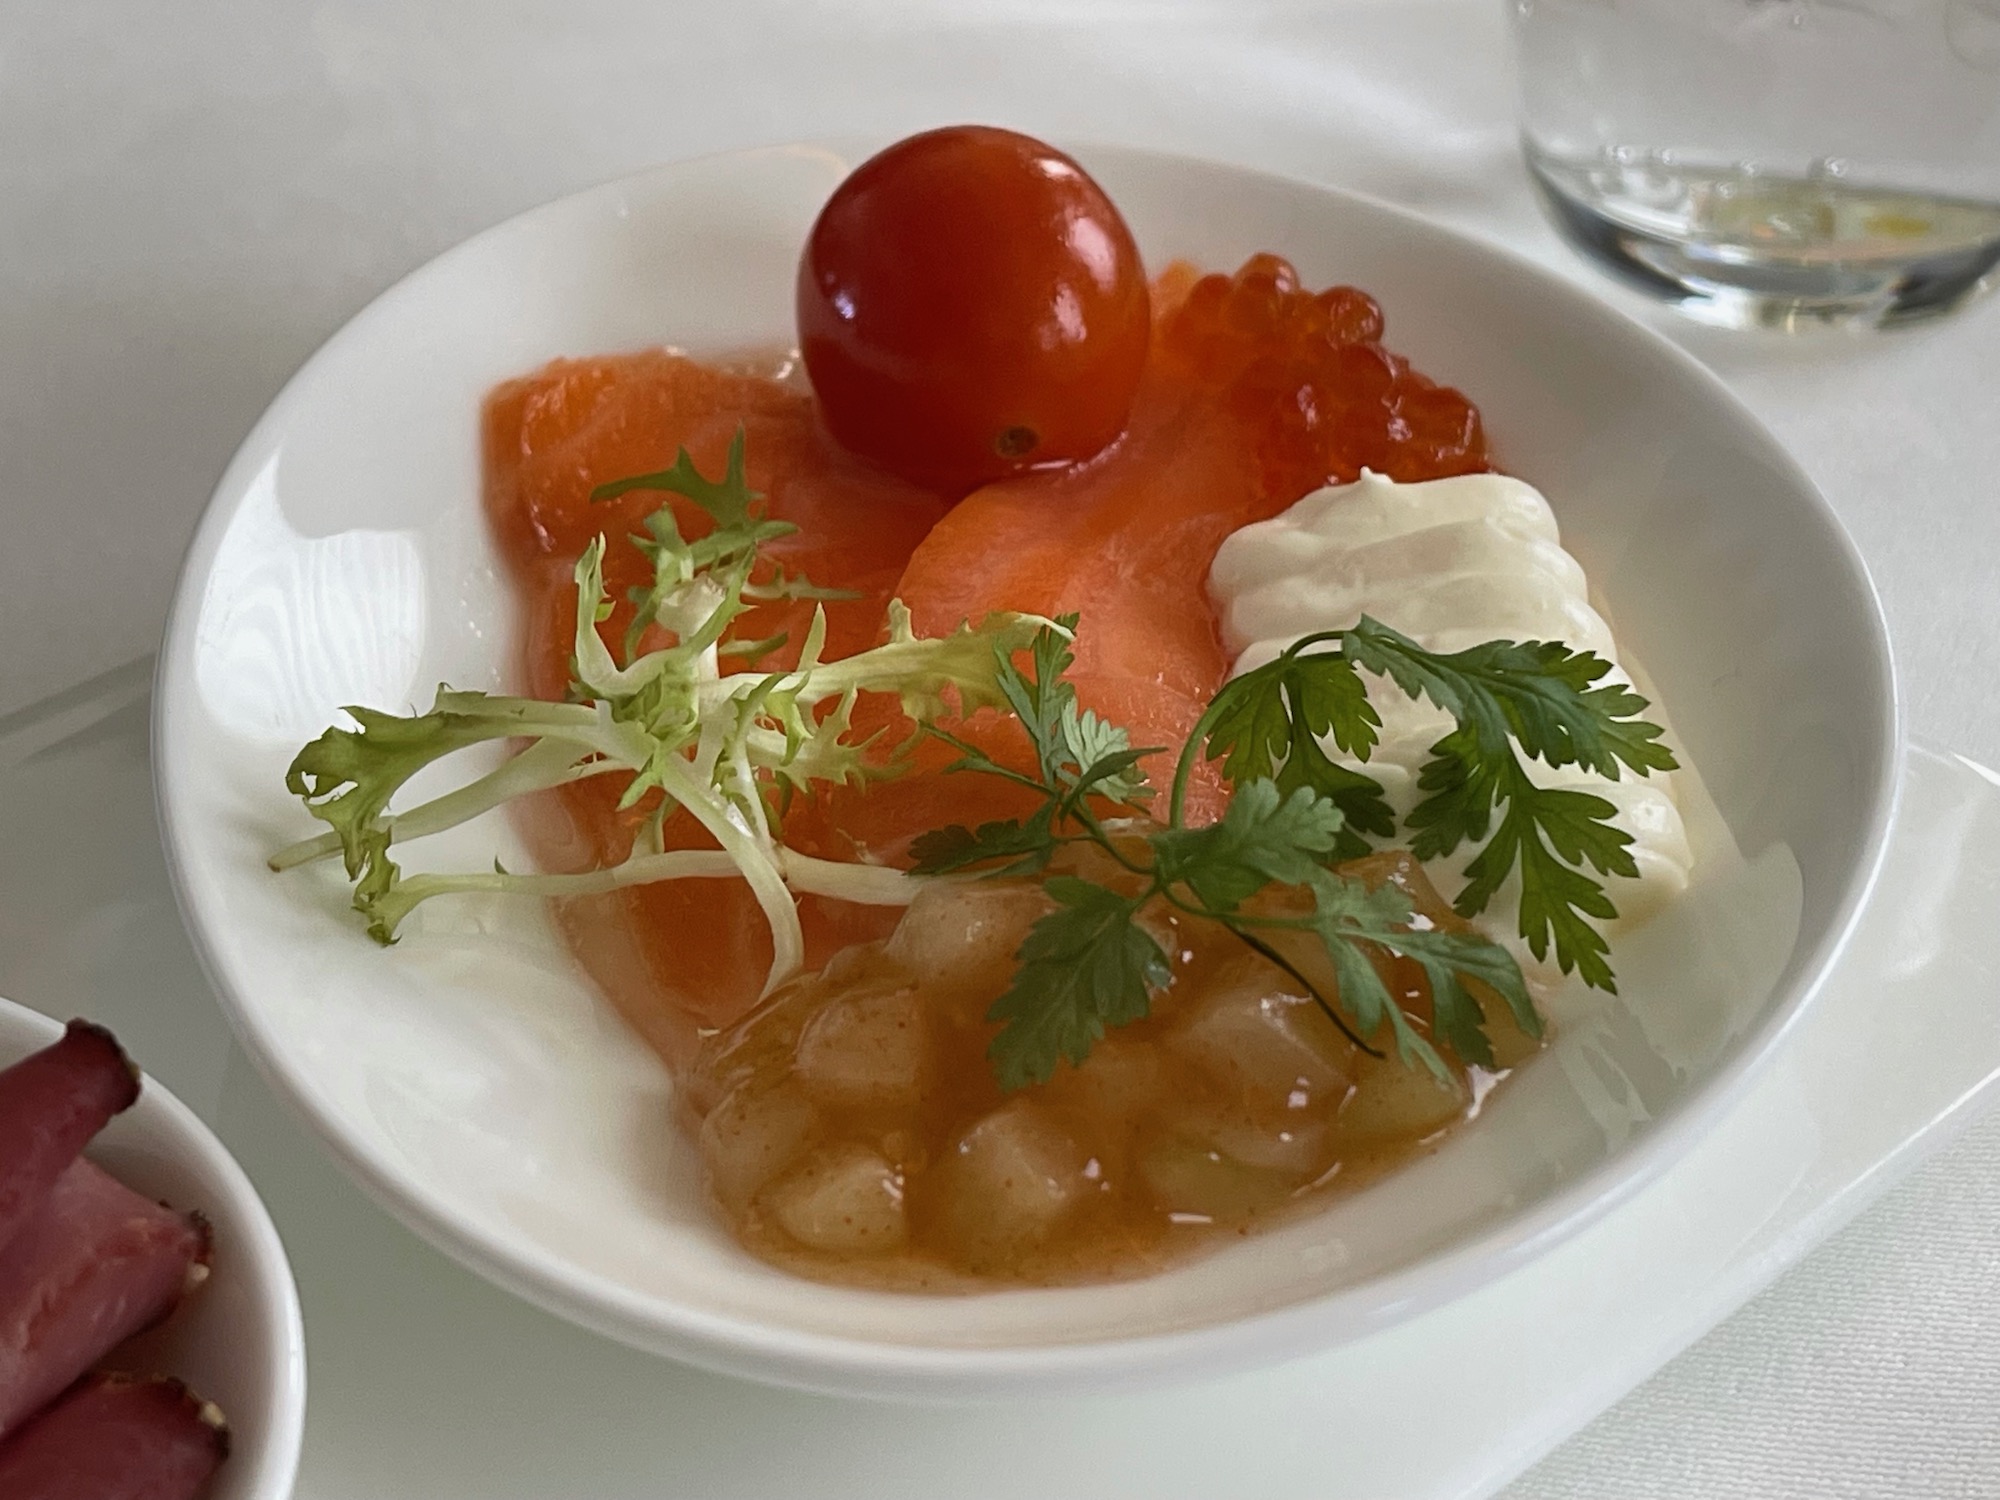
(844,1364)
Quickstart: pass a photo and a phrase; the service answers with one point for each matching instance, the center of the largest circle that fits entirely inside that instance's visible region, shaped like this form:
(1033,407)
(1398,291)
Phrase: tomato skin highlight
(972,306)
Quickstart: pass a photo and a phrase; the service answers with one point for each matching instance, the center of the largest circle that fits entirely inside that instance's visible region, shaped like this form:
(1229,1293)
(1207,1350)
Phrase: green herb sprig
(1541,696)
(1090,964)
(673,721)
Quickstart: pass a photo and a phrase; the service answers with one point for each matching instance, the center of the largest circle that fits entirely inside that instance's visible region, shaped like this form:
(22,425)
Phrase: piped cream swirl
(1450,563)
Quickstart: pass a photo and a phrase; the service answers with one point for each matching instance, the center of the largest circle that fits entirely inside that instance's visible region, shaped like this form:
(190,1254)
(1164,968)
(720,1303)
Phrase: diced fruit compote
(851,1127)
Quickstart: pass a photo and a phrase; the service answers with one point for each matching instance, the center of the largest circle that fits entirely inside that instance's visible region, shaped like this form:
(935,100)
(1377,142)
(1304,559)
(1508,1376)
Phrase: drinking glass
(1771,162)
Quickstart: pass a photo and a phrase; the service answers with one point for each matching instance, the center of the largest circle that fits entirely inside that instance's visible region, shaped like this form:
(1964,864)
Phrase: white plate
(416,1365)
(473,1083)
(239,1340)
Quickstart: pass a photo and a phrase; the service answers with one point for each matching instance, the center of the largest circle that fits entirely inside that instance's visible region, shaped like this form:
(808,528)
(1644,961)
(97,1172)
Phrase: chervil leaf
(1040,696)
(1624,738)
(1077,753)
(1098,758)
(1537,692)
(1085,966)
(1250,725)
(1364,810)
(1268,723)
(1578,826)
(1366,998)
(727,499)
(1263,837)
(1294,812)
(1548,832)
(1026,843)
(1257,718)
(1117,777)
(1555,899)
(1351,918)
(1349,915)
(1328,697)
(1450,958)
(972,758)
(1460,787)
(1355,904)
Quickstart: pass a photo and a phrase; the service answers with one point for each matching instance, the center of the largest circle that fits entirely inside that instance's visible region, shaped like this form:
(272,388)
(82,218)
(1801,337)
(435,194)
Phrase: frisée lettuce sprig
(676,720)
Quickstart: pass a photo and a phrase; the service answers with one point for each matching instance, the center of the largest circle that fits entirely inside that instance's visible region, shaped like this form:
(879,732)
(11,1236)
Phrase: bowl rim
(161,1116)
(847,1365)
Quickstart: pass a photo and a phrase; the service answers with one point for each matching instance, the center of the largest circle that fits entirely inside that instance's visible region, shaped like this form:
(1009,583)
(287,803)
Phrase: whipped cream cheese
(1450,563)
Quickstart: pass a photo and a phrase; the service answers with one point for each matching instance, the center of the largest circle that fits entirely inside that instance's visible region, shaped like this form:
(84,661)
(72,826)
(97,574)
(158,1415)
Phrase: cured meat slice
(96,1264)
(51,1103)
(117,1437)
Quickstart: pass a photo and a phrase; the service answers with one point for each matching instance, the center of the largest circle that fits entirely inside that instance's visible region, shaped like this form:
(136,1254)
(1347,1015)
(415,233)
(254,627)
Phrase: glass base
(1767,254)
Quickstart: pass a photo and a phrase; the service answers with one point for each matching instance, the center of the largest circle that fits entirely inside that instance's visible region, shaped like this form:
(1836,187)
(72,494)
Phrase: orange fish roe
(1307,374)
(1258,392)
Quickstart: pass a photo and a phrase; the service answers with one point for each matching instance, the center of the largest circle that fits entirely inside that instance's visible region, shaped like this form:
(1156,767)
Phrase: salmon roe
(1308,371)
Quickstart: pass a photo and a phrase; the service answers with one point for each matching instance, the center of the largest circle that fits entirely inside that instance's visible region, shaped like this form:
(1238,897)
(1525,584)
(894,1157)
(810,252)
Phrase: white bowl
(239,1341)
(470,1079)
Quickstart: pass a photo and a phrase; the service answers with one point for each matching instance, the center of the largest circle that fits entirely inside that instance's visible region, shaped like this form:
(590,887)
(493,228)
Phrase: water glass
(1771,162)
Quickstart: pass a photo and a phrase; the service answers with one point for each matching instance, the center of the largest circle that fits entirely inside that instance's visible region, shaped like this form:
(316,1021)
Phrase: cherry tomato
(971,305)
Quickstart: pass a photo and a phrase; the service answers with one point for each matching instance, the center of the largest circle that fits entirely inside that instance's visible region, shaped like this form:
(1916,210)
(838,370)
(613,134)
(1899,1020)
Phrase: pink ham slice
(116,1437)
(96,1264)
(51,1104)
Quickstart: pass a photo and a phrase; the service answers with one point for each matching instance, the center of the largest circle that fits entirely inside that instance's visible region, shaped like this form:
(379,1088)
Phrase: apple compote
(852,1129)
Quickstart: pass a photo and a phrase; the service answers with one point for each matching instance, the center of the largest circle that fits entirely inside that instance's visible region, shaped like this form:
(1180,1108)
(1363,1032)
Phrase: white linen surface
(192,196)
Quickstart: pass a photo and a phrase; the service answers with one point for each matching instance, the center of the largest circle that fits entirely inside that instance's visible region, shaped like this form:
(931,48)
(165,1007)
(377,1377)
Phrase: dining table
(193,197)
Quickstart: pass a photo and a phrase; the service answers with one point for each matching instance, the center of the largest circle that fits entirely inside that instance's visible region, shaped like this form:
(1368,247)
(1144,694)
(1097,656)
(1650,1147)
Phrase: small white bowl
(472,1081)
(239,1341)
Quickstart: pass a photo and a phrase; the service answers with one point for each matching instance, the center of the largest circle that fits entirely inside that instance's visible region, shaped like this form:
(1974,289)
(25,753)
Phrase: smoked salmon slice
(1256,392)
(679,956)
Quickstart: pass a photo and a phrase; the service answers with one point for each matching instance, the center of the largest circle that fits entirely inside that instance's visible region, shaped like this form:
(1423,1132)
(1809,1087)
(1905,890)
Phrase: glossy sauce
(852,1129)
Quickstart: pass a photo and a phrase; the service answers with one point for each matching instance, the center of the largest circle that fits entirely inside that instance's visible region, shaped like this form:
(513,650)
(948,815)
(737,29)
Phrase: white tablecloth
(192,196)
